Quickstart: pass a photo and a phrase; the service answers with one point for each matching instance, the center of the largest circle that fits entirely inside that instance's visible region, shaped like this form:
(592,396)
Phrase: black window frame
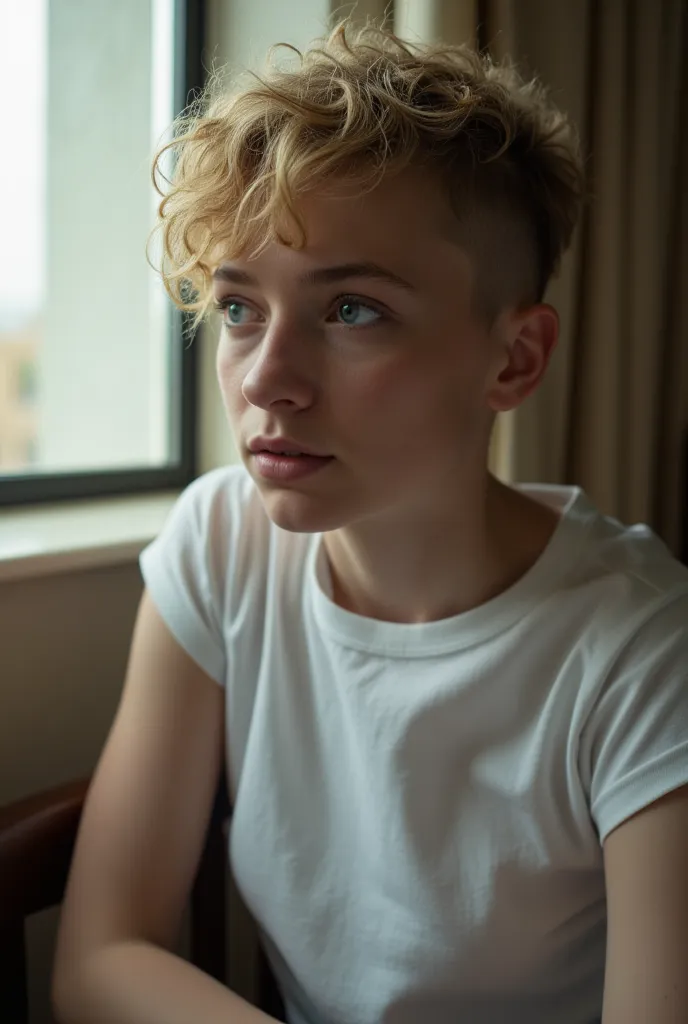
(36,488)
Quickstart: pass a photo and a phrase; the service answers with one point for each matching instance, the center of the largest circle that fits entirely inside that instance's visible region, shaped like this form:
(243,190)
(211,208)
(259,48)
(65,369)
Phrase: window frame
(36,488)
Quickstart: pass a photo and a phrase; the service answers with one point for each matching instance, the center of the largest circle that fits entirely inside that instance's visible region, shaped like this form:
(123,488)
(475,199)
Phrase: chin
(303,513)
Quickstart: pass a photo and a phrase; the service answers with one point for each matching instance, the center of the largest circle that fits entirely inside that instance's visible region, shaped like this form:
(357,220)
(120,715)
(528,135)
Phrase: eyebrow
(323,275)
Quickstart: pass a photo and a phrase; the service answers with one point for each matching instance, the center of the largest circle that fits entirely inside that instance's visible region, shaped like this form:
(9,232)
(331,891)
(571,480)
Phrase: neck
(444,562)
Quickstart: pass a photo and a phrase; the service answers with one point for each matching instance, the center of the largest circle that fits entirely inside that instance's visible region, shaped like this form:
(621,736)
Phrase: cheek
(419,415)
(414,392)
(229,376)
(373,391)
(221,361)
(386,413)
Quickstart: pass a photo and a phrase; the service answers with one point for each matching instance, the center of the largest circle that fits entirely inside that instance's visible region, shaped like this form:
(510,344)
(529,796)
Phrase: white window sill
(68,536)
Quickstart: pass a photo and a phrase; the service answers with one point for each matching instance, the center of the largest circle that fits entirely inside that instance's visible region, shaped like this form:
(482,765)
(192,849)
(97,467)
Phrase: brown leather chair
(37,837)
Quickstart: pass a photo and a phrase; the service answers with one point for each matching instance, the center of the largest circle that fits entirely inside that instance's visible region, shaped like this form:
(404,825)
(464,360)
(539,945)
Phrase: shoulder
(633,555)
(636,635)
(622,579)
(633,747)
(620,618)
(219,492)
(211,560)
(196,546)
(639,622)
(221,541)
(213,510)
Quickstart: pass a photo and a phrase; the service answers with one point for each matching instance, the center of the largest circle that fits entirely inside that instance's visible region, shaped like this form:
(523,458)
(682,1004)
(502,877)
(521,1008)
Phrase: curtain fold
(629,387)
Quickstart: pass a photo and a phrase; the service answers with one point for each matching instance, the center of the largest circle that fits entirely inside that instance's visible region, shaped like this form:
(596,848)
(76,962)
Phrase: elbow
(69,982)
(64,990)
(61,1002)
(76,988)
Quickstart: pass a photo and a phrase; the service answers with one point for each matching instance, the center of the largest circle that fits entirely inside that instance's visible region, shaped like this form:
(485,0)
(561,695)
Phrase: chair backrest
(37,837)
(36,842)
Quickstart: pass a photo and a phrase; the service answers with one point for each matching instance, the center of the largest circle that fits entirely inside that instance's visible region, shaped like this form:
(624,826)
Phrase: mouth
(287,465)
(289,453)
(283,446)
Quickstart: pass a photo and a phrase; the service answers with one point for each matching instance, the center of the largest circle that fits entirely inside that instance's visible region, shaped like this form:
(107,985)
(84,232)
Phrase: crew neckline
(443,636)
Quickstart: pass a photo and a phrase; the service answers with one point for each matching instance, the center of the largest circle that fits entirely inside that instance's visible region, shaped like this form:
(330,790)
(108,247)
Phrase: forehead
(404,224)
(408,208)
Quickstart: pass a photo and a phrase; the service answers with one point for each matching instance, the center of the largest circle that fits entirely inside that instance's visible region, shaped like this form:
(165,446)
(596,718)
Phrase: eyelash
(223,304)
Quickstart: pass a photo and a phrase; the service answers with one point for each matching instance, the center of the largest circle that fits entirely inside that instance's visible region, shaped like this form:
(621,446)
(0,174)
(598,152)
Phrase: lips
(284,469)
(285,446)
(280,452)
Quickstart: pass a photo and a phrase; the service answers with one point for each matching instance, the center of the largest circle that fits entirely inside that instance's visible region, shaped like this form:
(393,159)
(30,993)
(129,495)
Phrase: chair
(37,837)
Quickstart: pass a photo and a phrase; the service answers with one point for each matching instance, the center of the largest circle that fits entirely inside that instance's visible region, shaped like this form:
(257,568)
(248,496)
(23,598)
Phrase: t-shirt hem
(640,789)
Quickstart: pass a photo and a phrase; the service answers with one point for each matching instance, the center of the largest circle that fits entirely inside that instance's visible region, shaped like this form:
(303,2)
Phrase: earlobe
(529,343)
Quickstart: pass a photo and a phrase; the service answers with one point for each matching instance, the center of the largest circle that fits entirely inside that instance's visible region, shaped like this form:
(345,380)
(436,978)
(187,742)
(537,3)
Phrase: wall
(63,649)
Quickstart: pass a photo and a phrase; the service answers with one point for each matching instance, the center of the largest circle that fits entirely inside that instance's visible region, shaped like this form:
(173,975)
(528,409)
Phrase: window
(97,371)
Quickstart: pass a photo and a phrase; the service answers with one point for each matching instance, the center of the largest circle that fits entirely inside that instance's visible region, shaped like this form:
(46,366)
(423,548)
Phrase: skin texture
(404,400)
(646,869)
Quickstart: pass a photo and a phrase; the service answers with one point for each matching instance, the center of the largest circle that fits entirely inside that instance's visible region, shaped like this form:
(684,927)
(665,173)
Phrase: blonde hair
(360,104)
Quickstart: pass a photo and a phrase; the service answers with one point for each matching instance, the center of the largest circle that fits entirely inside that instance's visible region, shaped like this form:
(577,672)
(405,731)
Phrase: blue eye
(356,314)
(349,312)
(236,313)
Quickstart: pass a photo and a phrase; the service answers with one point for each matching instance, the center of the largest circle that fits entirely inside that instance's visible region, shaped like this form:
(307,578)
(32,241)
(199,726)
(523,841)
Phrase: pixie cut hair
(358,105)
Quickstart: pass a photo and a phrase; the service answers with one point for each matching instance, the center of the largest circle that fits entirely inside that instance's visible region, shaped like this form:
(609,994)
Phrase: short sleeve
(181,567)
(635,743)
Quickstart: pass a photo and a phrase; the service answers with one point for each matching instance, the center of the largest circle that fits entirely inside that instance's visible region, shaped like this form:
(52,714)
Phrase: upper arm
(646,869)
(146,813)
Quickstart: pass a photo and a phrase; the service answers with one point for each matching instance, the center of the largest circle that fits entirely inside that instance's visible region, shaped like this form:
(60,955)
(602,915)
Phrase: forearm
(137,983)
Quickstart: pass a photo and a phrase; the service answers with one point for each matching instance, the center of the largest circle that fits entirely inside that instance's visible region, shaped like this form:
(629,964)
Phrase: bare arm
(138,849)
(136,983)
(646,866)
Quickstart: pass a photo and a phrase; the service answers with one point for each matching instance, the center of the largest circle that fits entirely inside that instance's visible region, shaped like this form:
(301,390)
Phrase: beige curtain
(612,414)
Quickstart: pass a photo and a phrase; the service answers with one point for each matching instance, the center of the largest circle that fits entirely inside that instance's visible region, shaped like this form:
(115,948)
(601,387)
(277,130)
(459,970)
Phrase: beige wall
(63,649)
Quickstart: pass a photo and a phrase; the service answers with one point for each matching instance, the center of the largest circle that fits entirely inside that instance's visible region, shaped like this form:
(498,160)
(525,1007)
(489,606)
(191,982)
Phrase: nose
(282,369)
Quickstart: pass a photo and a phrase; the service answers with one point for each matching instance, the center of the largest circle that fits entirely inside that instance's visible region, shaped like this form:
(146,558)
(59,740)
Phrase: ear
(525,342)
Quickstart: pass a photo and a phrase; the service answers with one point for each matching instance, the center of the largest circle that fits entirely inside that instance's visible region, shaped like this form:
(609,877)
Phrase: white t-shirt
(419,808)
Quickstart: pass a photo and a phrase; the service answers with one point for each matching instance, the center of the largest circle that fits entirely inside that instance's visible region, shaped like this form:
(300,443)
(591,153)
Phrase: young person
(454,712)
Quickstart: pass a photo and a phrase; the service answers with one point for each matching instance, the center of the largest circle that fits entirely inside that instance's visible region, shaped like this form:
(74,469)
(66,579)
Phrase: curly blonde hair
(357,105)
